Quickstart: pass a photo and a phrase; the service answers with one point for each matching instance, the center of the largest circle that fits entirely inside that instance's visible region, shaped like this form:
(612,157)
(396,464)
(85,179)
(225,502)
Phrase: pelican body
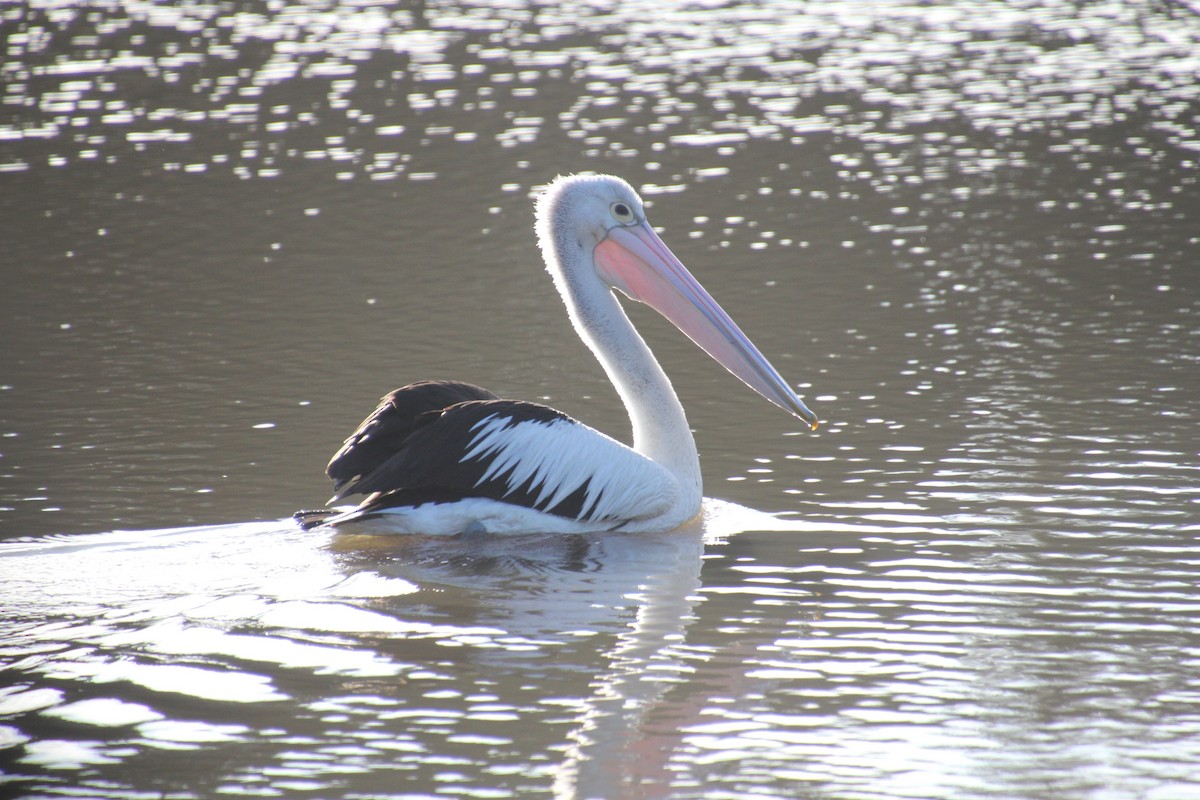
(443,458)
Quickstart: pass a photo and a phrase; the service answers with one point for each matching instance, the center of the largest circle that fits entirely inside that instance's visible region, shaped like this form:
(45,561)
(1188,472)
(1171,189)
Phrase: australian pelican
(441,457)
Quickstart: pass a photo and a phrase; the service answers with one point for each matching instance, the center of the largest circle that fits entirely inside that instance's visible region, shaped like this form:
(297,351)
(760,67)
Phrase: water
(966,231)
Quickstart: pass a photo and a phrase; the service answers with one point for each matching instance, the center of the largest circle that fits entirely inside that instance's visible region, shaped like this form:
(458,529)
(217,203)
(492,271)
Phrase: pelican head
(593,228)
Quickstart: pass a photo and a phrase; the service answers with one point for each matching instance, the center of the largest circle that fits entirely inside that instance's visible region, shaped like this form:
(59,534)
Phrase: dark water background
(967,231)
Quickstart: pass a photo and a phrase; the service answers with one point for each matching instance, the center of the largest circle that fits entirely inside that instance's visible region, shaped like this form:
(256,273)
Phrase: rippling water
(966,230)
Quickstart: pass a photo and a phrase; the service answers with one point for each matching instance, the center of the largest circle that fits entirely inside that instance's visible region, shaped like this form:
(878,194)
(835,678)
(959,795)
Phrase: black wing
(432,466)
(358,467)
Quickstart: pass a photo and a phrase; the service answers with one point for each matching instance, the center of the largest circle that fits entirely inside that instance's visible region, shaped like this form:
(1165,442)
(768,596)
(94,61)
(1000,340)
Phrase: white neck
(660,427)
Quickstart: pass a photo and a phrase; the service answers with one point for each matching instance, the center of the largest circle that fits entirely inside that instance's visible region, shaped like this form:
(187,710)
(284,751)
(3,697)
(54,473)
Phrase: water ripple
(760,68)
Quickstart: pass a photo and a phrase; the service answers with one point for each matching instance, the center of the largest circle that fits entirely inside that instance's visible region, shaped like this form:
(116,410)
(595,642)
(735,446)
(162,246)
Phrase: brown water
(967,231)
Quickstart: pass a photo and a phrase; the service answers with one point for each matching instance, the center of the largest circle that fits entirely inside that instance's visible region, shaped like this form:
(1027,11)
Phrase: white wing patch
(558,457)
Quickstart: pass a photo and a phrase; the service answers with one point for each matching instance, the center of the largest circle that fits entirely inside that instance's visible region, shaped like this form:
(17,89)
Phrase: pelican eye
(622,213)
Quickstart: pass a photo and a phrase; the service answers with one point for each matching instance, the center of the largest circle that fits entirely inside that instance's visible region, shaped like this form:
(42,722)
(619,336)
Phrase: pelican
(444,458)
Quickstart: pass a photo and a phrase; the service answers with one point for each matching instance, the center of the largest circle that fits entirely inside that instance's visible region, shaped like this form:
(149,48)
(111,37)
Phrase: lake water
(966,231)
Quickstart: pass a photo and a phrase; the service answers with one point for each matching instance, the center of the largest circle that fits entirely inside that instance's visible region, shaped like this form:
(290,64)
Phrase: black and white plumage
(441,457)
(374,456)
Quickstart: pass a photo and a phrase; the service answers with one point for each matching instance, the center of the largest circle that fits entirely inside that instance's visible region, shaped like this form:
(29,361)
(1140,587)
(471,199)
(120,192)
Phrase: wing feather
(522,453)
(361,465)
